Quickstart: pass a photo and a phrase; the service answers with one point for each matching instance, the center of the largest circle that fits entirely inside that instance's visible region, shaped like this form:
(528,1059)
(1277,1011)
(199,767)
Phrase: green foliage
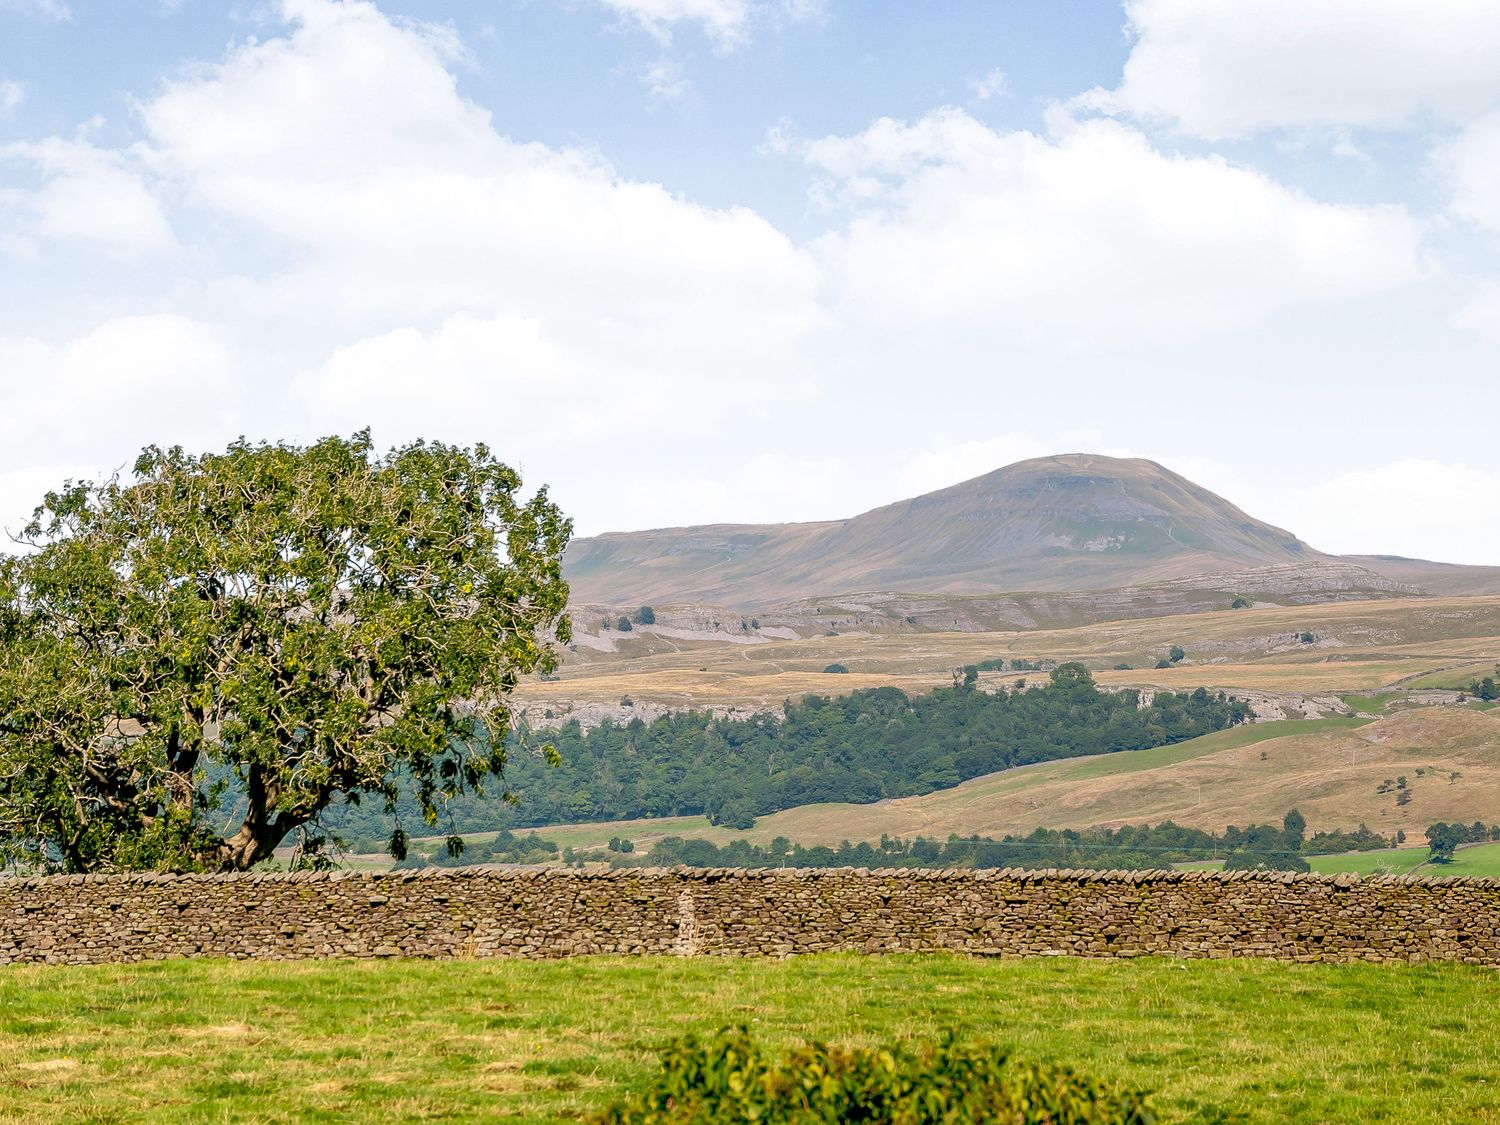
(624,624)
(1139,847)
(1361,839)
(1176,655)
(1444,839)
(1485,689)
(1240,602)
(194,664)
(645,616)
(728,1079)
(1294,824)
(861,747)
(1306,638)
(836,669)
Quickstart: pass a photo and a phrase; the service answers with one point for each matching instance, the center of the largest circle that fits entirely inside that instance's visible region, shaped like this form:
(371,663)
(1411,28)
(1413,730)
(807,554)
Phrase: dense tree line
(1137,847)
(860,748)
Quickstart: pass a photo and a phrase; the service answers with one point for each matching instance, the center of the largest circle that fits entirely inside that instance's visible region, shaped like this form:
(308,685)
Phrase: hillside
(1356,647)
(1333,770)
(1074,522)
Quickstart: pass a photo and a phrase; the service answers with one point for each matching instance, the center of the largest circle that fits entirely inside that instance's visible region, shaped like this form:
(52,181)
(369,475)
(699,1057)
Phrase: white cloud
(87,406)
(992,85)
(86,194)
(1472,165)
(1090,232)
(12,94)
(1420,508)
(1235,67)
(727,22)
(664,79)
(49,9)
(1480,314)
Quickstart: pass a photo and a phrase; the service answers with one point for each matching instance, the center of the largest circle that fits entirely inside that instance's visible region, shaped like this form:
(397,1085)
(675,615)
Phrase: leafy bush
(836,669)
(645,616)
(728,1079)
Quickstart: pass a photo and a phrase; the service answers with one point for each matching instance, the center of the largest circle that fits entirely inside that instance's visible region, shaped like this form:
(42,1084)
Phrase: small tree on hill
(645,616)
(257,632)
(1176,655)
(624,624)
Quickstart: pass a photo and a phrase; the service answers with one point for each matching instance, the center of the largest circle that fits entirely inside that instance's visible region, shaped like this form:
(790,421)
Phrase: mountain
(1067,523)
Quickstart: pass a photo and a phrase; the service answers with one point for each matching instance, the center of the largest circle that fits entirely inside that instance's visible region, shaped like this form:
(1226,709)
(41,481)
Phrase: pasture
(1335,771)
(1222,1041)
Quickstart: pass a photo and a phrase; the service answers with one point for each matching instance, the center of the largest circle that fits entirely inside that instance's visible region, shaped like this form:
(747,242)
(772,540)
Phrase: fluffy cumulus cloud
(727,22)
(83,408)
(1235,67)
(1090,230)
(80,192)
(318,231)
(1422,508)
(1471,164)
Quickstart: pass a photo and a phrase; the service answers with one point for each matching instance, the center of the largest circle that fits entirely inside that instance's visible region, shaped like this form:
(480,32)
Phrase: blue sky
(702,260)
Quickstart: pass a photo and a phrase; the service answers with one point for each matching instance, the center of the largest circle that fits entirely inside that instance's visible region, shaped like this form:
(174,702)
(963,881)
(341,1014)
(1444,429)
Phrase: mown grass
(1223,1041)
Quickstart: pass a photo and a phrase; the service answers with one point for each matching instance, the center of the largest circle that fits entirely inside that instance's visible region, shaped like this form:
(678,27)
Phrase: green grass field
(1480,861)
(1223,1041)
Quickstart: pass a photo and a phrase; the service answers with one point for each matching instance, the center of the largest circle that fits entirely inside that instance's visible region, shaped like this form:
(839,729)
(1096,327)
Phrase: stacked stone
(551,912)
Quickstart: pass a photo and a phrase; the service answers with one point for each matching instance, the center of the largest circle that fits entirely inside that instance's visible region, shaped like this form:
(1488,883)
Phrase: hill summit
(1072,522)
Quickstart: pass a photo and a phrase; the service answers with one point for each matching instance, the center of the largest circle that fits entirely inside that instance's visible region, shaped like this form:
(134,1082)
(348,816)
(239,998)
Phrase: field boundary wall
(554,912)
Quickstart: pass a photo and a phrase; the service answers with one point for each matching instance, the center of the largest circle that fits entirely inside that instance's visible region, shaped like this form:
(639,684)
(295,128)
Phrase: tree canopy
(861,747)
(195,662)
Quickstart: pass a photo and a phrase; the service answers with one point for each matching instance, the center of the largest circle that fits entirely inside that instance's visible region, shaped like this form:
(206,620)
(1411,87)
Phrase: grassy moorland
(1223,1041)
(1359,647)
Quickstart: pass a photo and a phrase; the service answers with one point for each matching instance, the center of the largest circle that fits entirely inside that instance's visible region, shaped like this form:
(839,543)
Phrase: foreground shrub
(728,1079)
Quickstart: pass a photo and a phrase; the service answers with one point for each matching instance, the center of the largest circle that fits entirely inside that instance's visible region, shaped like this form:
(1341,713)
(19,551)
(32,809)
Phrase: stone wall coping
(746,874)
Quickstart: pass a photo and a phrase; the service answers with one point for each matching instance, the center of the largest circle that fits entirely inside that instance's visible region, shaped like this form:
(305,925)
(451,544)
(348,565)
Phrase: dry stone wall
(540,912)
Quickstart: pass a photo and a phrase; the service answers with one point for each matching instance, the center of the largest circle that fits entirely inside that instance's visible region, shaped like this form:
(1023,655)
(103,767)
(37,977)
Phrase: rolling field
(1359,647)
(1332,770)
(1248,1042)
(982,792)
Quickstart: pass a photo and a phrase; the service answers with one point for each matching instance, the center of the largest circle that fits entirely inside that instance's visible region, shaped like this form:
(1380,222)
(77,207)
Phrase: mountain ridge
(1072,522)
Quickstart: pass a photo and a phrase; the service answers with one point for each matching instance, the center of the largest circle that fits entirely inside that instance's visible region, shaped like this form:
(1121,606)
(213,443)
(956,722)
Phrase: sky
(690,261)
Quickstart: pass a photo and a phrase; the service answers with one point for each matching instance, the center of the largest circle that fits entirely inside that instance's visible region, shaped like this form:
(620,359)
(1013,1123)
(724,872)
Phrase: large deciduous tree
(195,662)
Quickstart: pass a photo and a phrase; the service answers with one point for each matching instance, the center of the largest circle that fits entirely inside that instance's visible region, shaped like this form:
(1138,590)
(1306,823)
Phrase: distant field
(1332,770)
(1247,1042)
(1360,647)
(991,788)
